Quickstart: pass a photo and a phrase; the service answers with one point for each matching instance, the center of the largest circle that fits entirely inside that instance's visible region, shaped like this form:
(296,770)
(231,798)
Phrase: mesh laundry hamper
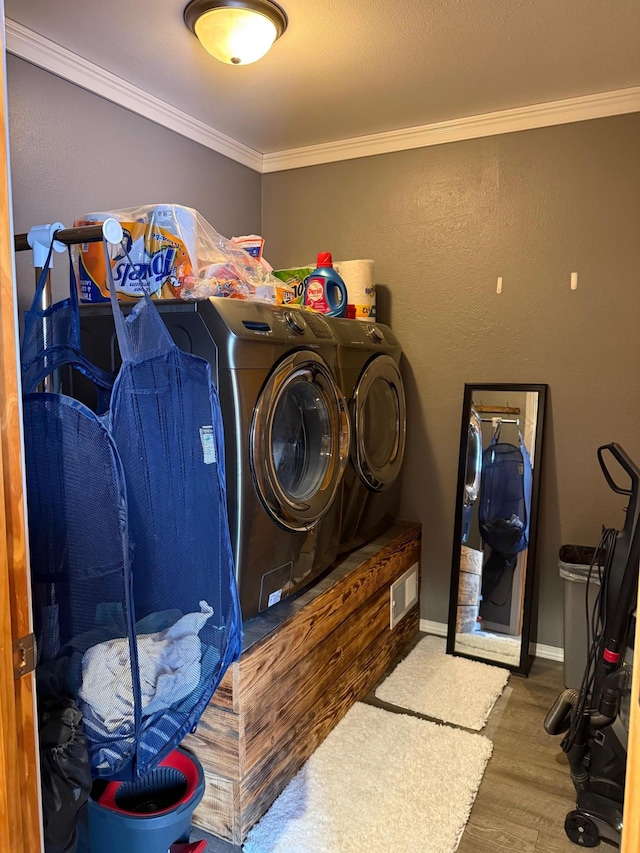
(135,603)
(505,496)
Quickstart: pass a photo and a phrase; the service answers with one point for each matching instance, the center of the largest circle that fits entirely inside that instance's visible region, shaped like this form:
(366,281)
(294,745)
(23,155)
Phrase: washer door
(380,423)
(300,437)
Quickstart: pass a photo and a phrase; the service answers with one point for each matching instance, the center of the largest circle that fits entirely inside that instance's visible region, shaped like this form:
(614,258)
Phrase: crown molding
(583,108)
(27,44)
(40,51)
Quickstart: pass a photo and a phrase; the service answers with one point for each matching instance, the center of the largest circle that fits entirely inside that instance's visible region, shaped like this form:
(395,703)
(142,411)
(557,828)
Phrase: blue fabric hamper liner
(135,601)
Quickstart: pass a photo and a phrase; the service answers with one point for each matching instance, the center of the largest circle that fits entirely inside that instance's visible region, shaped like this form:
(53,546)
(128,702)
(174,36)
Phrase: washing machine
(287,431)
(369,376)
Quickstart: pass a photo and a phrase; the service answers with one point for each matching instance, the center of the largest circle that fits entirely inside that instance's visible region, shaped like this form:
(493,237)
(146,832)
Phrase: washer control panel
(296,321)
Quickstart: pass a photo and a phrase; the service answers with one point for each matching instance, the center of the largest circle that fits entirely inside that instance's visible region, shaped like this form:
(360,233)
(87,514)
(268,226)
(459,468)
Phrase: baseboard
(437,628)
(540,650)
(548,652)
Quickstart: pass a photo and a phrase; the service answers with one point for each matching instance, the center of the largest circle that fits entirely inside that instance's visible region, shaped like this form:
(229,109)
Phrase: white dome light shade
(235,36)
(237,32)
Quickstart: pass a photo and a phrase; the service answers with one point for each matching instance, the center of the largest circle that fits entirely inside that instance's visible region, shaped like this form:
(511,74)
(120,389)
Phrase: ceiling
(348,68)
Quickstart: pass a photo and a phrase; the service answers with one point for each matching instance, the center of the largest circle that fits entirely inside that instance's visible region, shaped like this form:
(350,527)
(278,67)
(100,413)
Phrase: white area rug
(380,783)
(447,688)
(495,646)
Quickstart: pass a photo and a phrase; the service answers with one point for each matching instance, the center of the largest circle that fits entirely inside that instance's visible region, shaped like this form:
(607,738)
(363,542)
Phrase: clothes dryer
(287,432)
(369,376)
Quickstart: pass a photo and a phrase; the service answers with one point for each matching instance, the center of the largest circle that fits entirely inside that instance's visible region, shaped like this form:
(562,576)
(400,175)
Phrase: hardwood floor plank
(483,834)
(527,783)
(521,803)
(561,844)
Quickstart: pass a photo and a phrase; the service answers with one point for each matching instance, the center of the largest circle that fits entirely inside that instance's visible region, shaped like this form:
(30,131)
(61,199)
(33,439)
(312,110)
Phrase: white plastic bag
(175,252)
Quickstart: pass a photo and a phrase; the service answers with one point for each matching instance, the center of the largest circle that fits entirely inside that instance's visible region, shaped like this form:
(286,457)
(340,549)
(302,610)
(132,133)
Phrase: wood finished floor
(526,790)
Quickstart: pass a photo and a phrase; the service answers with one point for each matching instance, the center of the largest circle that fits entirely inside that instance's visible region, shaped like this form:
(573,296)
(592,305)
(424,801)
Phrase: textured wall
(73,152)
(442,224)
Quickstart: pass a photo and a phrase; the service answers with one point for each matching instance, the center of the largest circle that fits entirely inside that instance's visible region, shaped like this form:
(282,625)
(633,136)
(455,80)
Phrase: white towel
(168,663)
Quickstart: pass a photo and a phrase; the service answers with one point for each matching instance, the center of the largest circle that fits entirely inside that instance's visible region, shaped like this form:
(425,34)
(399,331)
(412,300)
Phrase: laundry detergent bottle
(324,290)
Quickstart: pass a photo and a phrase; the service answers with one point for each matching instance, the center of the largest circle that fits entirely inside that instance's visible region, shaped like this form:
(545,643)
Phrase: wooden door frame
(20,810)
(631,825)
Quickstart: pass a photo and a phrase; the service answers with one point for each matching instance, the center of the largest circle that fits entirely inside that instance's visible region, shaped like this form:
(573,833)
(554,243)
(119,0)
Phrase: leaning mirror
(495,527)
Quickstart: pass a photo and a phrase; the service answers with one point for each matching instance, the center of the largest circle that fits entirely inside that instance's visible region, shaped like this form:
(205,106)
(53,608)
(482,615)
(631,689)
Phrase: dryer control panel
(360,334)
(375,333)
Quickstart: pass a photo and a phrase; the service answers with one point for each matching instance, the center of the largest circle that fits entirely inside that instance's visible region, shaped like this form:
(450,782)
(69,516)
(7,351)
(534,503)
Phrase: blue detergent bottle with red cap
(324,290)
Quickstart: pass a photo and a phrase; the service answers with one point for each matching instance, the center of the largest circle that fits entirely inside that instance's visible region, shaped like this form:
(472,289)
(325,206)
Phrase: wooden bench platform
(304,663)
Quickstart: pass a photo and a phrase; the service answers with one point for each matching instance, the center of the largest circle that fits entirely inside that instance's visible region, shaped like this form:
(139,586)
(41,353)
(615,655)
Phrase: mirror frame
(526,658)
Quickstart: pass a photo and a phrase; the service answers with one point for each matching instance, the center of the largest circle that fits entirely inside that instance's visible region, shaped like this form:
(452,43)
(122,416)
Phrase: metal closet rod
(68,236)
(497,410)
(502,420)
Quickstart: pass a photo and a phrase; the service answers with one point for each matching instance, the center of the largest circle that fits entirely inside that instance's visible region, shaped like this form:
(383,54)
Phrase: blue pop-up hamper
(135,600)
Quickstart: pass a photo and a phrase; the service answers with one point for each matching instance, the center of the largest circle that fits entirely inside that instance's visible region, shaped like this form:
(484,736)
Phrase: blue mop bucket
(150,814)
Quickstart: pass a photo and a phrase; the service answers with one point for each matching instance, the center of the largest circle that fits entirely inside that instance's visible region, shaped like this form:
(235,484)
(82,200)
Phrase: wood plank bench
(304,663)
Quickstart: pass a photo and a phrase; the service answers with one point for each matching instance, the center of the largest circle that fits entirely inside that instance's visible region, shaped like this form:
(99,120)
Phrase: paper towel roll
(359,278)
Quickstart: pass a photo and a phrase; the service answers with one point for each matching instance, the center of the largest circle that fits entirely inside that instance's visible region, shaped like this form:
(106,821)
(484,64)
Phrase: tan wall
(73,152)
(442,224)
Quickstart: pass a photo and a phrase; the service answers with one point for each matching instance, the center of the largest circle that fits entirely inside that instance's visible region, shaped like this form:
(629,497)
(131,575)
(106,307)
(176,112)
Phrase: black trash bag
(65,772)
(579,555)
(494,570)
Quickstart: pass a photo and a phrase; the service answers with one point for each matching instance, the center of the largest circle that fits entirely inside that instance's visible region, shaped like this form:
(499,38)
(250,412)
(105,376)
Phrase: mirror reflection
(492,566)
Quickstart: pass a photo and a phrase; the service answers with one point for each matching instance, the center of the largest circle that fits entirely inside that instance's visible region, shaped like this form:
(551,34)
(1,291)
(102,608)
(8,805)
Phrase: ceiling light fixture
(236,31)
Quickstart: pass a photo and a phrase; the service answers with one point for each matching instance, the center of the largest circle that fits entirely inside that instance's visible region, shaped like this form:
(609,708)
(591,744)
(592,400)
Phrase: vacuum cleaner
(594,719)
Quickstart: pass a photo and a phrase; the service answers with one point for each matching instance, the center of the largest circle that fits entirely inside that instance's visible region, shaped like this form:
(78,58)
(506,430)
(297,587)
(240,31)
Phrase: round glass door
(300,441)
(379,422)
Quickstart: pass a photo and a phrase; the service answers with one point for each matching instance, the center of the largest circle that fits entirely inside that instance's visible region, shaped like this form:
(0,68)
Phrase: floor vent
(404,594)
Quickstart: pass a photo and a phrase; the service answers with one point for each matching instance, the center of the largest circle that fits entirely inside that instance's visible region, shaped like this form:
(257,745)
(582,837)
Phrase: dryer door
(380,422)
(300,437)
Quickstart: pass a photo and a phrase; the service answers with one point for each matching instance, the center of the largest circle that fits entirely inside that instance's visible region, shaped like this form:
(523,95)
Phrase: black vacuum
(594,719)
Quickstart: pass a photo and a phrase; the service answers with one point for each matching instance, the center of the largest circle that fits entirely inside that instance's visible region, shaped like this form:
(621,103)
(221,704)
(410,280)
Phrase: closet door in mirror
(493,559)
